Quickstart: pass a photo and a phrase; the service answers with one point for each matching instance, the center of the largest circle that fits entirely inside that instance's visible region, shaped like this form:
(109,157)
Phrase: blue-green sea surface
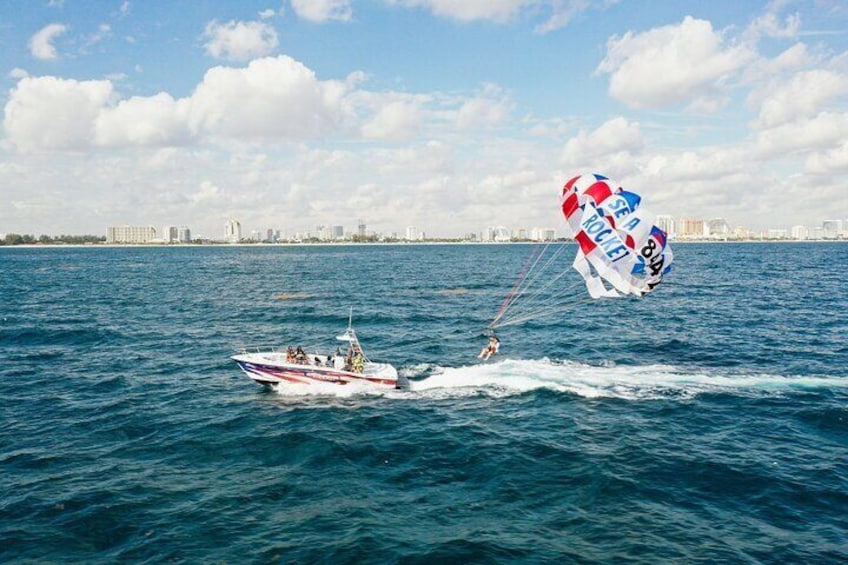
(706,422)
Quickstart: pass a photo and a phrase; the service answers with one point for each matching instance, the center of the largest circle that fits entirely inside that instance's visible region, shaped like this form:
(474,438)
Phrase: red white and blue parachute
(621,249)
(620,252)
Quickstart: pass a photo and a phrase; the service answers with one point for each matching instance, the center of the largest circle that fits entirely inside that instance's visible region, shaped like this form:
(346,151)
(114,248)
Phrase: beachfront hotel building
(232,231)
(831,229)
(542,234)
(176,234)
(666,224)
(692,228)
(169,234)
(130,234)
(414,234)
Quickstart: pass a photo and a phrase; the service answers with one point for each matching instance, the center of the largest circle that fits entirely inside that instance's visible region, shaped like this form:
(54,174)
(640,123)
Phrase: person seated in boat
(290,355)
(300,356)
(348,361)
(317,361)
(358,363)
(330,361)
(490,349)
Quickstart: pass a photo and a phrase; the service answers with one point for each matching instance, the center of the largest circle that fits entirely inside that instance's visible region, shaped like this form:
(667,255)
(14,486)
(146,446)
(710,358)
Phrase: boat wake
(513,377)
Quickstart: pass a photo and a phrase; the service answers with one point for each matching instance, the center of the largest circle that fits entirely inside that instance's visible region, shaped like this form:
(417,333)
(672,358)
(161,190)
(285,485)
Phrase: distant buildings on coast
(686,228)
(147,234)
(326,233)
(233,233)
(718,229)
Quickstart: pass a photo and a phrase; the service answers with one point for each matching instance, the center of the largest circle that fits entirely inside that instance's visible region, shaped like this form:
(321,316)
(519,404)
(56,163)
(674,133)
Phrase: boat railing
(271,349)
(246,349)
(261,349)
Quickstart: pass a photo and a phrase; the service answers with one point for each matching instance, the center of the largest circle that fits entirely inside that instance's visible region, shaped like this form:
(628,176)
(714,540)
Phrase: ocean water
(707,422)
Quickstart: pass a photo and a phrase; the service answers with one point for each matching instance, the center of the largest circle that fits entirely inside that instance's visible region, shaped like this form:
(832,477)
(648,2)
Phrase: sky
(447,115)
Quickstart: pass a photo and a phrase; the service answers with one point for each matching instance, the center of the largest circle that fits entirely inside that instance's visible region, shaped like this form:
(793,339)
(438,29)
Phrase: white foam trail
(610,381)
(511,377)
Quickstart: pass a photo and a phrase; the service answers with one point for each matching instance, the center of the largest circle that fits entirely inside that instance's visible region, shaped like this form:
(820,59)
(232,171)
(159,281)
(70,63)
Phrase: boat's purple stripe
(306,375)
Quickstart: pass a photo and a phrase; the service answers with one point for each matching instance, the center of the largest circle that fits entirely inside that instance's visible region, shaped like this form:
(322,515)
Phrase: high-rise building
(718,227)
(169,234)
(130,234)
(338,232)
(831,229)
(691,228)
(501,234)
(542,234)
(413,234)
(777,233)
(232,231)
(800,232)
(360,228)
(184,234)
(666,224)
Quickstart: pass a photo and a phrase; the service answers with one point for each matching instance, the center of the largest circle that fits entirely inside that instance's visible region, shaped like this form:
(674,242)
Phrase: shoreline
(377,243)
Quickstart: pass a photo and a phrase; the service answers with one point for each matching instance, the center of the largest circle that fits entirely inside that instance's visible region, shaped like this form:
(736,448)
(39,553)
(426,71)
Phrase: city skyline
(687,227)
(283,112)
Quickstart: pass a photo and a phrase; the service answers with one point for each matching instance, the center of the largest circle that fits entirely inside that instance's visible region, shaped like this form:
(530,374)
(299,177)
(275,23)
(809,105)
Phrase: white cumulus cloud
(320,11)
(395,120)
(54,113)
(41,44)
(239,41)
(770,25)
(153,120)
(614,139)
(482,111)
(559,13)
(496,10)
(829,162)
(271,97)
(804,95)
(821,132)
(677,64)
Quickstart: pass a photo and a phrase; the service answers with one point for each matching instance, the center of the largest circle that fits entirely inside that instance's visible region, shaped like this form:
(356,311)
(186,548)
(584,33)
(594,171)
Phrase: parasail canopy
(620,252)
(621,249)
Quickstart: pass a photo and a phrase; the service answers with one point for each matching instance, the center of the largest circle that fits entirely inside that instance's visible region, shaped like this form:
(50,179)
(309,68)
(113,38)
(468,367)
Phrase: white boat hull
(272,369)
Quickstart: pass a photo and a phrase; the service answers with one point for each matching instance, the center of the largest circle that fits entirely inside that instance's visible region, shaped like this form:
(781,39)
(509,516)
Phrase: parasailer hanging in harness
(490,348)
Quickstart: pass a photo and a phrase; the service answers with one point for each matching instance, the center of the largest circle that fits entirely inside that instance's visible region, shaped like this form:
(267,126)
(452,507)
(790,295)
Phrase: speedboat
(286,366)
